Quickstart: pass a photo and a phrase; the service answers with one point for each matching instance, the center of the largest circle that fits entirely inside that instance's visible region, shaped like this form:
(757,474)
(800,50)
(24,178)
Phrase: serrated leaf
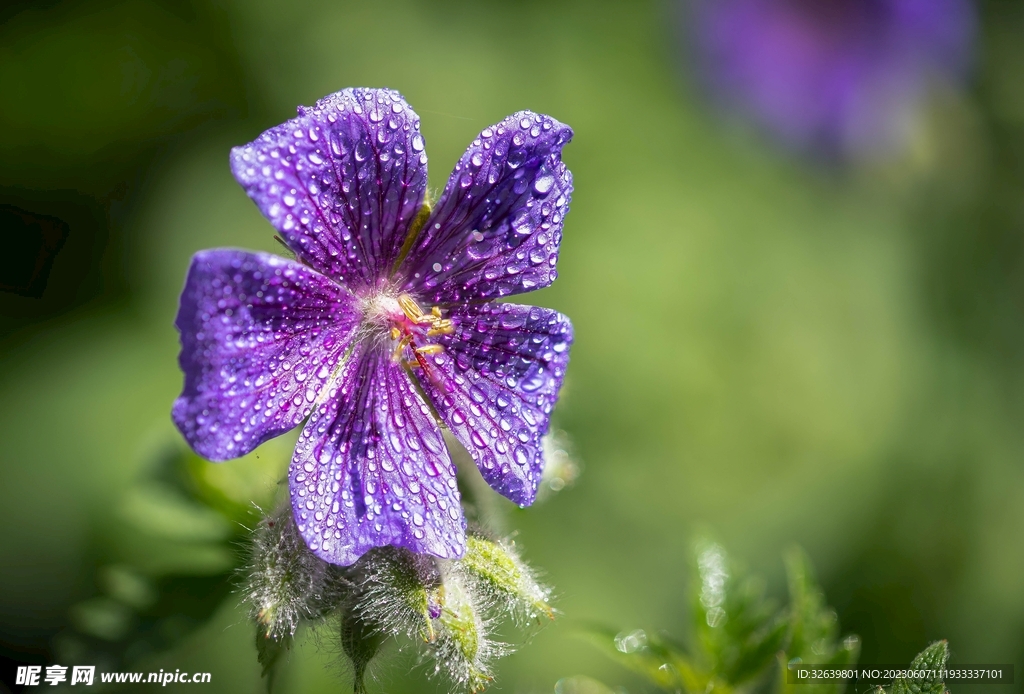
(930,662)
(270,652)
(741,640)
(739,630)
(814,629)
(812,622)
(844,656)
(659,660)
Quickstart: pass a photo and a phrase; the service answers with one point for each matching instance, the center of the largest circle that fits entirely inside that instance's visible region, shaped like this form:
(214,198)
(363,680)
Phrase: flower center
(408,327)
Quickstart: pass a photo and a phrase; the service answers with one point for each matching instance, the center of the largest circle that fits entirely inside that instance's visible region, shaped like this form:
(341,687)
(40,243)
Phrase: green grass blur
(768,349)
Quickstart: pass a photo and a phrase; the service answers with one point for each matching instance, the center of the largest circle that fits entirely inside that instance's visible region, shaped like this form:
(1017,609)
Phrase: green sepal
(399,590)
(502,574)
(462,643)
(271,653)
(361,642)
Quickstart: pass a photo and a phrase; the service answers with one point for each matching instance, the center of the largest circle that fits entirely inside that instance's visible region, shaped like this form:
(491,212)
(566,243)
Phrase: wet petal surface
(260,337)
(495,384)
(496,229)
(371,468)
(341,182)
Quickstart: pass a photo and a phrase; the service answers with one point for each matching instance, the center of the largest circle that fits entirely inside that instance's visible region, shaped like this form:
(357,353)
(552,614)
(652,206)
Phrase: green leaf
(813,625)
(658,659)
(813,630)
(239,488)
(929,662)
(739,630)
(102,617)
(160,510)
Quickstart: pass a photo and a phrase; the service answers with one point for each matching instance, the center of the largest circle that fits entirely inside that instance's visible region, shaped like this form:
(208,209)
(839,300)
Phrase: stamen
(433,321)
(396,355)
(414,313)
(411,309)
(441,327)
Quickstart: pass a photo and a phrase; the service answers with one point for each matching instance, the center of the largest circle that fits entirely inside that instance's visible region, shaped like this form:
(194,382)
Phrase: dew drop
(544,184)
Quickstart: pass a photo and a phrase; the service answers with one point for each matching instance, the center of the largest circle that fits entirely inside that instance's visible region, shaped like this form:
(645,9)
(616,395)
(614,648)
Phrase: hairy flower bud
(442,604)
(495,569)
(360,641)
(400,592)
(463,649)
(285,582)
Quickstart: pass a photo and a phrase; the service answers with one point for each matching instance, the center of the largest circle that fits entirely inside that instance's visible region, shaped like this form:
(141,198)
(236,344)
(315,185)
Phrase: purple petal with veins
(371,468)
(341,182)
(495,384)
(260,336)
(496,229)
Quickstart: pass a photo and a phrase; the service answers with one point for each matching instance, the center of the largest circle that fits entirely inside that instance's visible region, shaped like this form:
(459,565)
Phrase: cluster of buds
(447,608)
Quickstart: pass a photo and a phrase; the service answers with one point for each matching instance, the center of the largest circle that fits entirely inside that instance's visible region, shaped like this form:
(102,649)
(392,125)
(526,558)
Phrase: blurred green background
(776,350)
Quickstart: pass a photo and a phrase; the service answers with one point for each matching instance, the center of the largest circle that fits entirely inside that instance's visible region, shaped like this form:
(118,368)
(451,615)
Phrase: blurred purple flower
(843,76)
(385,322)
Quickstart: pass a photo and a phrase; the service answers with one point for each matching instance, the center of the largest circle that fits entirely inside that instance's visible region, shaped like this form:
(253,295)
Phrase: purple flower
(386,321)
(838,75)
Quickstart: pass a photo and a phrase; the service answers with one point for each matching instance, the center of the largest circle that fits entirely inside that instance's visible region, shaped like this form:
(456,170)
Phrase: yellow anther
(400,346)
(395,332)
(414,313)
(413,364)
(430,349)
(441,327)
(411,309)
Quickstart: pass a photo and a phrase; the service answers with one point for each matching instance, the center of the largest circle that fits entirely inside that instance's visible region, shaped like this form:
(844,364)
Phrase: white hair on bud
(433,602)
(494,568)
(285,583)
(464,649)
(396,591)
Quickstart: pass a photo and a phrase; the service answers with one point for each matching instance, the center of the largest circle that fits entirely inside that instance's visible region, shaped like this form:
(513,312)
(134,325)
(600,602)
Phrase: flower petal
(495,384)
(260,336)
(341,182)
(496,229)
(371,469)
